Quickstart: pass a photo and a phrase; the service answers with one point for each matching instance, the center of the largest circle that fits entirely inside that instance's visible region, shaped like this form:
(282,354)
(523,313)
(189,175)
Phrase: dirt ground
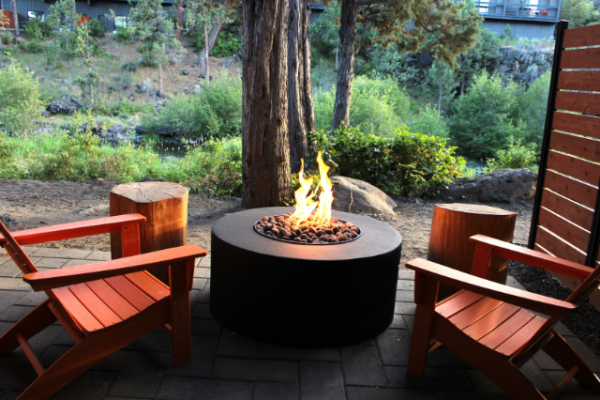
(28,204)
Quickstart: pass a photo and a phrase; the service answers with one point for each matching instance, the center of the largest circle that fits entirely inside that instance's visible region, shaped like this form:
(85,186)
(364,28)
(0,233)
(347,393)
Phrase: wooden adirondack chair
(103,306)
(490,326)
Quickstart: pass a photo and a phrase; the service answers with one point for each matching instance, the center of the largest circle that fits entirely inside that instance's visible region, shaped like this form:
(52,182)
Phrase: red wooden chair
(489,324)
(103,306)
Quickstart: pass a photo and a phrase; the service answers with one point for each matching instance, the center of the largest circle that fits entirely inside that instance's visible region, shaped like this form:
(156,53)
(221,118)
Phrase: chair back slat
(15,251)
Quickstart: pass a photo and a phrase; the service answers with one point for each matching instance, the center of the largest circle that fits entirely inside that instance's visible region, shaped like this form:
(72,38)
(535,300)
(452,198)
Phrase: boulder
(185,72)
(354,195)
(58,106)
(142,87)
(500,185)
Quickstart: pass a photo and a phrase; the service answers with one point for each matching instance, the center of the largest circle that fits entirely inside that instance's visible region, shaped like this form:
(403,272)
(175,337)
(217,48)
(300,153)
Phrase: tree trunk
(337,58)
(212,40)
(343,88)
(16,19)
(68,62)
(179,19)
(265,143)
(207,69)
(439,104)
(74,26)
(160,82)
(462,84)
(301,109)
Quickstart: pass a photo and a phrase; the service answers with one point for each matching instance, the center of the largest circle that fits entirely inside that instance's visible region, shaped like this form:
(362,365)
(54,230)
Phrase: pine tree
(62,16)
(441,82)
(483,55)
(4,23)
(84,49)
(441,27)
(153,27)
(579,13)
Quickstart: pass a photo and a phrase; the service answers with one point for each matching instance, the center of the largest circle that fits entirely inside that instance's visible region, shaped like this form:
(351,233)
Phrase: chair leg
(181,326)
(34,322)
(419,345)
(567,357)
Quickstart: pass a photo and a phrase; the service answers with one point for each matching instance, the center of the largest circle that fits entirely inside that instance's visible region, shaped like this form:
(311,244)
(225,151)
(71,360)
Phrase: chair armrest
(533,257)
(75,229)
(50,279)
(518,297)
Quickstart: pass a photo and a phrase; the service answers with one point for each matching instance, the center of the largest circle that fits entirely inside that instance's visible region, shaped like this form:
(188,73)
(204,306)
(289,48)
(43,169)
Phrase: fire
(307,209)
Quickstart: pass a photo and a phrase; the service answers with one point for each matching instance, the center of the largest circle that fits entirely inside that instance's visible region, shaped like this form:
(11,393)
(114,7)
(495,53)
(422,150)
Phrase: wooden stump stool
(165,206)
(449,243)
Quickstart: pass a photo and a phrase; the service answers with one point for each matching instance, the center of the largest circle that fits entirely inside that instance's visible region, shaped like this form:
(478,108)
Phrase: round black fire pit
(300,295)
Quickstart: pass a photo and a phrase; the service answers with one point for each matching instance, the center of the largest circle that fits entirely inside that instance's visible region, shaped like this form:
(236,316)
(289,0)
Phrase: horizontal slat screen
(582,37)
(559,247)
(566,208)
(587,103)
(580,80)
(577,191)
(585,125)
(575,167)
(580,59)
(578,146)
(565,229)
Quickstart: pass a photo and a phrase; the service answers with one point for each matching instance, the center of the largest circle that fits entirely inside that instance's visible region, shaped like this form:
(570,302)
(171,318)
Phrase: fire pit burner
(279,227)
(295,295)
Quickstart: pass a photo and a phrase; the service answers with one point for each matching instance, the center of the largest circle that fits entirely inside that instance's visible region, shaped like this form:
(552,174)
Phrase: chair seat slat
(475,312)
(152,287)
(521,337)
(80,314)
(507,329)
(457,303)
(112,299)
(491,321)
(130,292)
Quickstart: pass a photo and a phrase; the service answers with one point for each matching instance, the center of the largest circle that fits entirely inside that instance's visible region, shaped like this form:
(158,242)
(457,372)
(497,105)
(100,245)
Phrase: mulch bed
(584,322)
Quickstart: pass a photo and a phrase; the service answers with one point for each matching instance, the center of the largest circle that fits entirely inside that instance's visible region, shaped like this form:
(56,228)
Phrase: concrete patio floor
(230,367)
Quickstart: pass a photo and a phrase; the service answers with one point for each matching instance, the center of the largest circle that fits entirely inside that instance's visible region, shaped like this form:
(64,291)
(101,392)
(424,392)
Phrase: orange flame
(307,209)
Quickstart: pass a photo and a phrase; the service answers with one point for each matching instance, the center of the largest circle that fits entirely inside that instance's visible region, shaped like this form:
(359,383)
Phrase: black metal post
(559,34)
(594,243)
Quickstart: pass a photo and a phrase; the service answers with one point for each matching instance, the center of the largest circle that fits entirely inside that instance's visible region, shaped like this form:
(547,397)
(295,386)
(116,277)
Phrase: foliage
(19,99)
(324,32)
(579,13)
(428,123)
(129,66)
(62,16)
(38,29)
(225,46)
(33,46)
(516,156)
(483,55)
(484,119)
(440,82)
(124,108)
(5,38)
(96,28)
(7,162)
(378,106)
(124,35)
(404,163)
(216,111)
(84,49)
(532,106)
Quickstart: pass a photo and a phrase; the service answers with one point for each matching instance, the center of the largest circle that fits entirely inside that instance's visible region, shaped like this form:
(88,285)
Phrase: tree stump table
(165,206)
(449,243)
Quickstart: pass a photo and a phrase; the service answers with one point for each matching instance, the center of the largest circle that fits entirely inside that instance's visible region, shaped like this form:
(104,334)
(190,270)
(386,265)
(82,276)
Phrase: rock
(155,94)
(7,220)
(140,130)
(161,103)
(153,180)
(164,131)
(185,72)
(500,185)
(203,76)
(62,107)
(354,195)
(142,87)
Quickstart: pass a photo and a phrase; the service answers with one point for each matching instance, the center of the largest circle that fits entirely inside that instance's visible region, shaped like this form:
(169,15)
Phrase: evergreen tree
(483,55)
(4,23)
(62,16)
(152,26)
(441,82)
(579,13)
(84,49)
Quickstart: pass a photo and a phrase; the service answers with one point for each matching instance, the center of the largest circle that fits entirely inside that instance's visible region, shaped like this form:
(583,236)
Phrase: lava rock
(60,107)
(354,195)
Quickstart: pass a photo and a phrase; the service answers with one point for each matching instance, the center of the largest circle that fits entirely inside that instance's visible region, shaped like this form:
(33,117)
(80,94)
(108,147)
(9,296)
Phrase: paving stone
(405,295)
(99,255)
(409,322)
(362,393)
(52,262)
(404,284)
(204,349)
(566,397)
(16,377)
(398,322)
(177,387)
(13,313)
(275,391)
(8,299)
(404,273)
(9,269)
(122,398)
(234,345)
(205,295)
(320,381)
(274,352)
(76,262)
(405,307)
(444,357)
(512,282)
(206,327)
(14,284)
(9,395)
(573,387)
(199,283)
(362,366)
(32,299)
(141,374)
(157,341)
(203,262)
(563,330)
(200,272)
(537,377)
(434,379)
(584,352)
(255,370)
(90,385)
(394,345)
(62,253)
(201,310)
(113,362)
(456,395)
(483,385)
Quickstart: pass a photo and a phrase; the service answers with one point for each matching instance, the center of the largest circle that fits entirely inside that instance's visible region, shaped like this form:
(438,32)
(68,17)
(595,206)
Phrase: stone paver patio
(230,367)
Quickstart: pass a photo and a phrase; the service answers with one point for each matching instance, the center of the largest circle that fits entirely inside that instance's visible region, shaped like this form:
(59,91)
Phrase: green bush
(7,162)
(37,29)
(516,156)
(124,35)
(426,121)
(215,112)
(130,66)
(484,119)
(378,106)
(532,107)
(19,99)
(5,37)
(124,108)
(33,46)
(226,46)
(96,28)
(404,163)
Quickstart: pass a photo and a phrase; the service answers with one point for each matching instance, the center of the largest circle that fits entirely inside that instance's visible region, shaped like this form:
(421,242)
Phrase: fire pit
(298,294)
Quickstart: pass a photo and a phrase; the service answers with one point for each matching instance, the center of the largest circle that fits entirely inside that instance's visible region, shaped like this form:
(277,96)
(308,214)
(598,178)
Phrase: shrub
(484,118)
(129,66)
(516,156)
(124,35)
(427,122)
(96,28)
(7,163)
(5,38)
(532,107)
(33,46)
(378,106)
(404,163)
(19,99)
(37,29)
(226,46)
